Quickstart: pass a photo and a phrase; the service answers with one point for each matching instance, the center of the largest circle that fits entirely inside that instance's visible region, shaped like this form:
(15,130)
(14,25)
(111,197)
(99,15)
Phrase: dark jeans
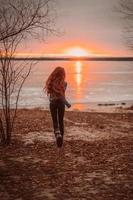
(57,109)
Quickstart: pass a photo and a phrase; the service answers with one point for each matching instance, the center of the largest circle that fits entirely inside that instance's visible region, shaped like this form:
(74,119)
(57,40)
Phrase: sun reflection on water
(78,66)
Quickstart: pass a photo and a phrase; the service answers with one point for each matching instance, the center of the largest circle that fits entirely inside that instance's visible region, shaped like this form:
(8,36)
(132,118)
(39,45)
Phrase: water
(88,82)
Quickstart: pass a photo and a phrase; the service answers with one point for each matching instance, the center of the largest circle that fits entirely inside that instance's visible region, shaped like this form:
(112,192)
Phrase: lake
(88,82)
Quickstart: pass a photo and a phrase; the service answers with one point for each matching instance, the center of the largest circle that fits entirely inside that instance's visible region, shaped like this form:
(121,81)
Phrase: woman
(55,88)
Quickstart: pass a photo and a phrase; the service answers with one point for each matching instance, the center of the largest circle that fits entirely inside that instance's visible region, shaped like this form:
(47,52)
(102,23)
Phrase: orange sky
(92,48)
(91,25)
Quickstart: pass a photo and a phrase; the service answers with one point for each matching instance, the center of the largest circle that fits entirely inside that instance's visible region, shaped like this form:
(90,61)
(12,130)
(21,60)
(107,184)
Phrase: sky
(93,25)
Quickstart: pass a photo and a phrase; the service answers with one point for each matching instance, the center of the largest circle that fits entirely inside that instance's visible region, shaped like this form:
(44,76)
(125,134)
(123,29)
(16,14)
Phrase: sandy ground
(95,163)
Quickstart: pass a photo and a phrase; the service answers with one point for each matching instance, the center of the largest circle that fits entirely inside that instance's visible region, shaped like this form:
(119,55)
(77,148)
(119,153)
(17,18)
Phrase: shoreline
(112,106)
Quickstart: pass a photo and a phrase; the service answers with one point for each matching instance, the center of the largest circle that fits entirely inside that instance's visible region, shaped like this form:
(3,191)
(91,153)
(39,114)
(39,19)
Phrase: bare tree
(19,19)
(126,8)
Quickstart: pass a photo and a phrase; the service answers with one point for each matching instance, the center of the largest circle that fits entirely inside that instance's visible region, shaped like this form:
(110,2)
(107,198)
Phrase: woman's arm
(65,85)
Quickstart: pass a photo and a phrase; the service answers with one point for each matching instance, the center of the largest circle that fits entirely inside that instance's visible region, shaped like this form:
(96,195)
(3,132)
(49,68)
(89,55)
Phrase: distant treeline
(94,58)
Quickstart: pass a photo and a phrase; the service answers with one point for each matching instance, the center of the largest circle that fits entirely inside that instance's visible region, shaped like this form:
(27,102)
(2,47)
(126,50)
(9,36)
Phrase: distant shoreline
(85,58)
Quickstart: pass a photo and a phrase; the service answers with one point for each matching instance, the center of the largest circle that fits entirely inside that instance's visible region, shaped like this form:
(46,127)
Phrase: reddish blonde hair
(55,83)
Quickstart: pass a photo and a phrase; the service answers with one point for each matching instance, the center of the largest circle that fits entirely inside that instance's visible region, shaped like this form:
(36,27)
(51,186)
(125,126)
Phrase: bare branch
(26,16)
(126,9)
(18,20)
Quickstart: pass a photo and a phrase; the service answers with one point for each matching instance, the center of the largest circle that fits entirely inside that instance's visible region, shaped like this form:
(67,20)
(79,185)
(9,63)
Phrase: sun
(77,51)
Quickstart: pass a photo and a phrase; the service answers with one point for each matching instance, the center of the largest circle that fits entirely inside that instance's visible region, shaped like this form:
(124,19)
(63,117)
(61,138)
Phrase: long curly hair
(55,83)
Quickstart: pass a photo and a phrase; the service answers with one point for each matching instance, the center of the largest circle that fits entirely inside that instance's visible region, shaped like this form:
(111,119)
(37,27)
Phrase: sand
(95,162)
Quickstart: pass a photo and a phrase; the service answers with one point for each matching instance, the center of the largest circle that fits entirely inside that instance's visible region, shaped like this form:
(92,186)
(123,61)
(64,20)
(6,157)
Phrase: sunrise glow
(77,51)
